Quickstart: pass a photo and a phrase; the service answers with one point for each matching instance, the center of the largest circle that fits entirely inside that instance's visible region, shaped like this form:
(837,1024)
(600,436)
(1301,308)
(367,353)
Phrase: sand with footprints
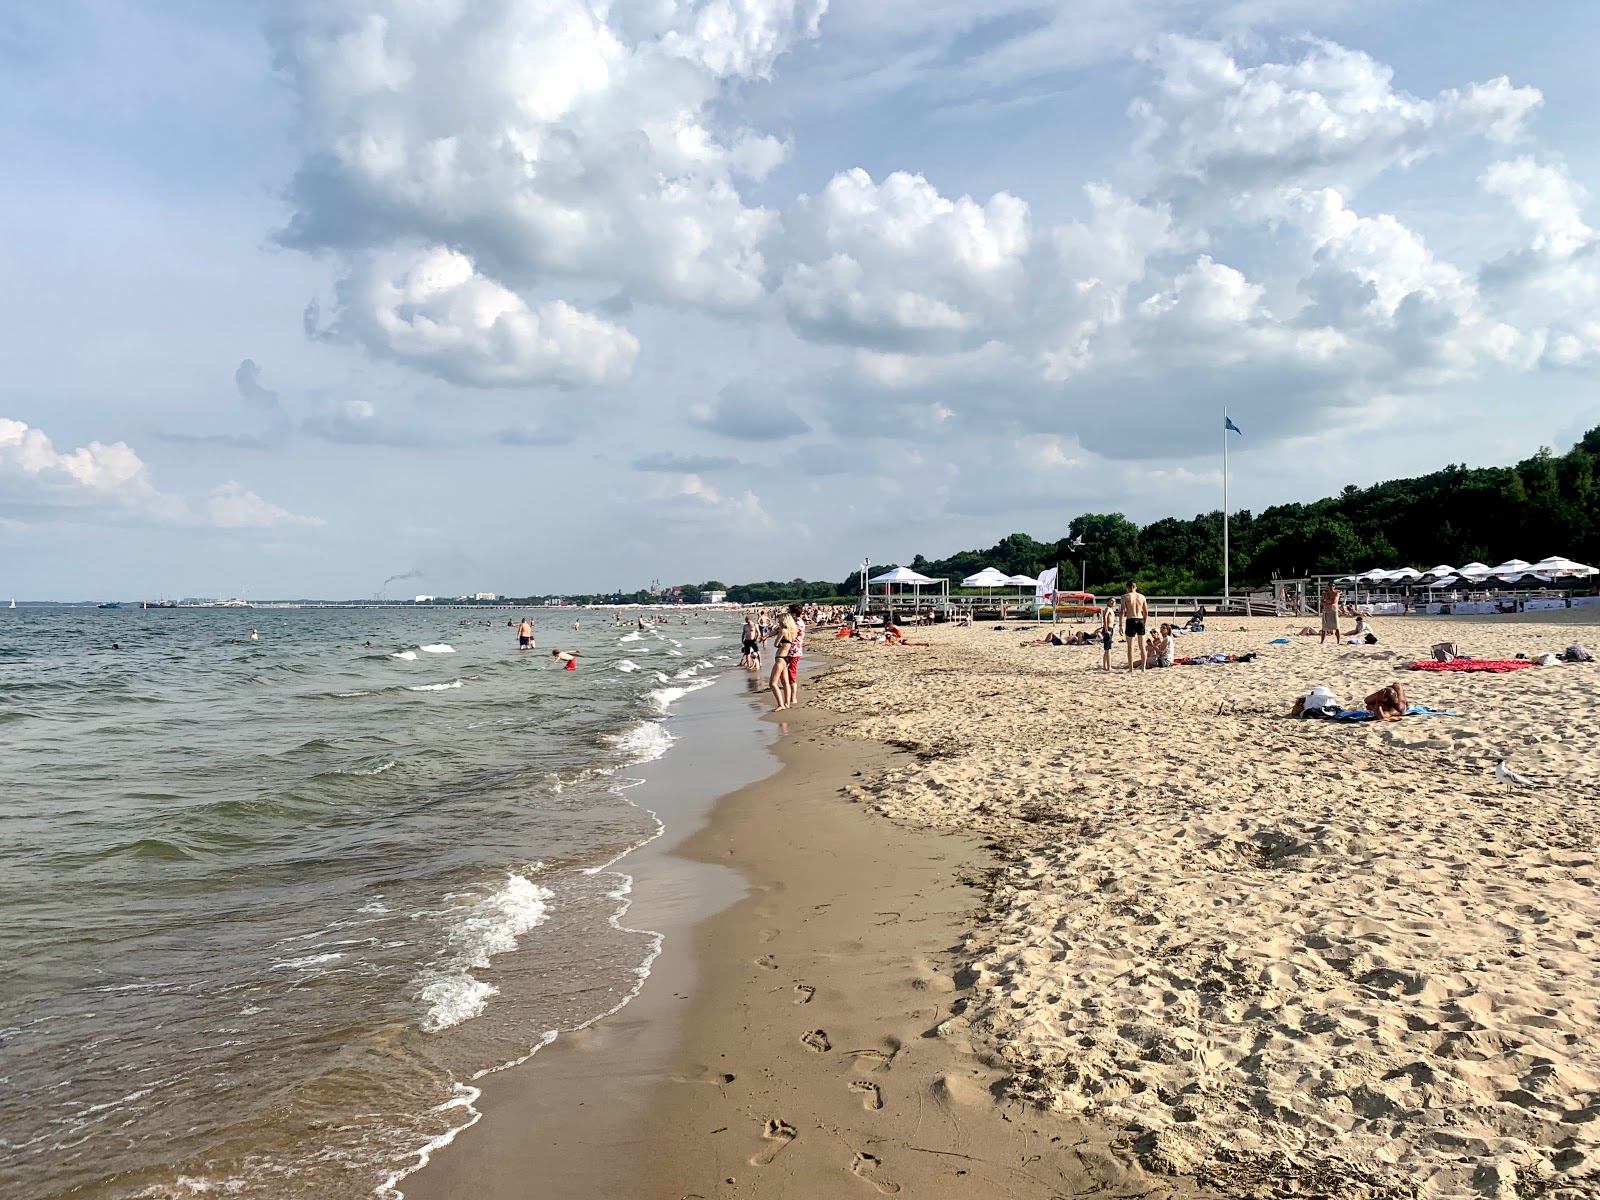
(1264,948)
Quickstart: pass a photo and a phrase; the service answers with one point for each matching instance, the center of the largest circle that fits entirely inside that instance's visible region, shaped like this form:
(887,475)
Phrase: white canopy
(902,575)
(1402,575)
(1373,575)
(1447,581)
(1556,565)
(1023,581)
(1512,566)
(1473,568)
(987,578)
(1440,571)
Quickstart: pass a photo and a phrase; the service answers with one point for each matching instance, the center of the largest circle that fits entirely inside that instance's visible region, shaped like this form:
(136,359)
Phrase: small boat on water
(111,605)
(158,604)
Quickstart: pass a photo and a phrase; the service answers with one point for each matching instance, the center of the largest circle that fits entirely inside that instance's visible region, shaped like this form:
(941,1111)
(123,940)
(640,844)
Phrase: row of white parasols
(1513,570)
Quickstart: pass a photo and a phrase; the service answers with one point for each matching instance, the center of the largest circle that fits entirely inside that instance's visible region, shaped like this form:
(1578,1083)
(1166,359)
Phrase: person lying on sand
(1052,639)
(1387,704)
(894,637)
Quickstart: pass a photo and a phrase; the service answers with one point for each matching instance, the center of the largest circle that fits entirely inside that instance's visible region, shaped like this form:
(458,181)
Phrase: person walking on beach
(1108,629)
(525,635)
(783,635)
(1330,614)
(1134,614)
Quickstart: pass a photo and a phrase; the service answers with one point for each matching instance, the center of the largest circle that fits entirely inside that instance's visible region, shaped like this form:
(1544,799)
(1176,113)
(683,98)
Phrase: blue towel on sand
(1416,710)
(1278,642)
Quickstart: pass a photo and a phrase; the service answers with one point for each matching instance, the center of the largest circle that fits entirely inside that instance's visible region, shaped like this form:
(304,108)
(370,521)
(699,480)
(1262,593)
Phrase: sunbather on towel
(1387,704)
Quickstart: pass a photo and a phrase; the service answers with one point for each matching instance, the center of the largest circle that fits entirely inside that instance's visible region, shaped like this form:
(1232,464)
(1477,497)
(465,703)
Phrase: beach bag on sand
(1578,654)
(1446,652)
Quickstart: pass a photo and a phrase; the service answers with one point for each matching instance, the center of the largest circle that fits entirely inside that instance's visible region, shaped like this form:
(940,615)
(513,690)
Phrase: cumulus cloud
(430,308)
(1331,117)
(688,500)
(550,140)
(233,506)
(109,481)
(896,264)
(105,476)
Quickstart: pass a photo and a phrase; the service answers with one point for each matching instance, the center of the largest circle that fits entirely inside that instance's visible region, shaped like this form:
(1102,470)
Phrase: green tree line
(1546,504)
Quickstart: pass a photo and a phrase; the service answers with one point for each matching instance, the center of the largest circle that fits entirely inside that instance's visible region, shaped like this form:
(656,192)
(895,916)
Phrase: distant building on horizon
(713,597)
(484,596)
(422,600)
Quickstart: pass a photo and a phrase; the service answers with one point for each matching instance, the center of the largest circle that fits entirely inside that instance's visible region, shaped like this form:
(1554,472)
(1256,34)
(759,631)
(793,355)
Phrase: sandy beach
(1277,955)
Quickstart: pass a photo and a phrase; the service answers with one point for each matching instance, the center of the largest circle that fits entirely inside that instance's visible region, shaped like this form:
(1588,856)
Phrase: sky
(355,297)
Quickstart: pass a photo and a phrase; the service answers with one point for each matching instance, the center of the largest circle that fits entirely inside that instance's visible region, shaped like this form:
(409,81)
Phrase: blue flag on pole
(1227,423)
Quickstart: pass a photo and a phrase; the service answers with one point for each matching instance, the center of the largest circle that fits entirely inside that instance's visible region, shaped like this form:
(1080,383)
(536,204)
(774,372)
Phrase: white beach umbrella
(1447,581)
(1022,581)
(1556,565)
(1440,571)
(1374,576)
(1472,568)
(1404,575)
(1512,566)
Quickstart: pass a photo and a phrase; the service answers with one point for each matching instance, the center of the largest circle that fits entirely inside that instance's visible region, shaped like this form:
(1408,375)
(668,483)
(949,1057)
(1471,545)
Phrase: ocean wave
(645,742)
(626,665)
(438,648)
(300,964)
(408,655)
(434,687)
(490,925)
(664,698)
(635,636)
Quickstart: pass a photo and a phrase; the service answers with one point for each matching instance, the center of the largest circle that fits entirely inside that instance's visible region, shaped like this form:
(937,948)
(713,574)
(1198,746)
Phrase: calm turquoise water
(266,908)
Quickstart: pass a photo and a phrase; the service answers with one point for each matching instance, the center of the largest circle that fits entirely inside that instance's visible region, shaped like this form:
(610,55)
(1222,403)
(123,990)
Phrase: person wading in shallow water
(1134,614)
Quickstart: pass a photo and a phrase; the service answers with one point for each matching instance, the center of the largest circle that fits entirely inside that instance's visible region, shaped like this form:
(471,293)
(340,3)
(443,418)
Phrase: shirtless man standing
(525,635)
(1134,614)
(1330,614)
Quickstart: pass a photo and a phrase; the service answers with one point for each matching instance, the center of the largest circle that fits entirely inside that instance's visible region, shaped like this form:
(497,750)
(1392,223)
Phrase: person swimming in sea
(567,657)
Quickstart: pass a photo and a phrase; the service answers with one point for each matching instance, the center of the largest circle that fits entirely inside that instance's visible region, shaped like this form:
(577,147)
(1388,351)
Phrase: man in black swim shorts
(1134,613)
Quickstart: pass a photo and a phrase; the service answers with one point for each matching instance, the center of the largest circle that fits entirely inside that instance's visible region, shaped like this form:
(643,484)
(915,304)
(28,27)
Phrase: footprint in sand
(778,1135)
(803,993)
(817,1040)
(866,1166)
(871,1097)
(767,962)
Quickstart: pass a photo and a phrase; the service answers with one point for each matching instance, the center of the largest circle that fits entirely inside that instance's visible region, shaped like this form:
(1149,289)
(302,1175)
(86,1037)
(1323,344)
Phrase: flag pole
(1226,580)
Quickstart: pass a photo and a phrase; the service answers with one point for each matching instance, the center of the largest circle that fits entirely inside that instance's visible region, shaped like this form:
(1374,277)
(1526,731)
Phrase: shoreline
(566,1113)
(826,1053)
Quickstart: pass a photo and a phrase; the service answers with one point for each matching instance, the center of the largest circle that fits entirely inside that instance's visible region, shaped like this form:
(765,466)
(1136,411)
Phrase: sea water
(269,908)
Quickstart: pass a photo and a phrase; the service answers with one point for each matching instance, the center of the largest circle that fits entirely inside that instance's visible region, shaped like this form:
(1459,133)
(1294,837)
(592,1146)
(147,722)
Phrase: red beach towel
(1497,666)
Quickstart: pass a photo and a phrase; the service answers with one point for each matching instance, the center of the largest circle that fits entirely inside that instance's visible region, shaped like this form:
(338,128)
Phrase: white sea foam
(664,698)
(645,742)
(626,665)
(675,653)
(408,655)
(488,926)
(438,648)
(435,687)
(635,636)
(298,964)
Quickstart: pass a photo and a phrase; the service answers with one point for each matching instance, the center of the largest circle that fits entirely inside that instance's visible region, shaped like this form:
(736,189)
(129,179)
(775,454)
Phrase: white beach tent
(989,577)
(903,575)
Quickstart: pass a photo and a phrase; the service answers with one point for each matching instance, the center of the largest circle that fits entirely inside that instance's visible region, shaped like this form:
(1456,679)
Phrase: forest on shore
(1546,504)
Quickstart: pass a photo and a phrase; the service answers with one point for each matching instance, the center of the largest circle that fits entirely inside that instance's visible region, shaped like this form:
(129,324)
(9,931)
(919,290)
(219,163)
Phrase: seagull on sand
(1506,775)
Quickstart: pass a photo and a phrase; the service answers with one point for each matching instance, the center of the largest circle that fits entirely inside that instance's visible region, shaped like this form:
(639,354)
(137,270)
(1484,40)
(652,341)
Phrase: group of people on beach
(785,628)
